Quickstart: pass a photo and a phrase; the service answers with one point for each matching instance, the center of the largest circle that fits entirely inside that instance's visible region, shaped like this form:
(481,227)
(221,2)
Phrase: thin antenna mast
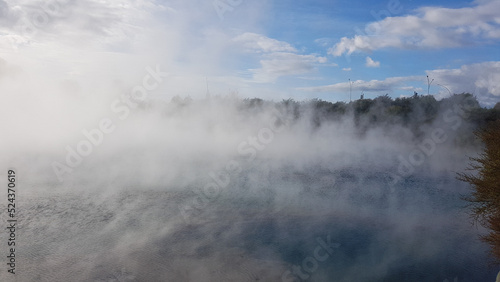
(208,93)
(350,91)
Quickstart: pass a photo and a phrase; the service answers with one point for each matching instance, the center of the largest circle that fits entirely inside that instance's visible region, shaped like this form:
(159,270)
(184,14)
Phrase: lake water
(280,224)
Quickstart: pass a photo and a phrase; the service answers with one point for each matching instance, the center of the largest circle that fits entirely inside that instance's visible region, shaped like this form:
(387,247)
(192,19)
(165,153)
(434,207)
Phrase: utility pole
(429,84)
(350,91)
(208,93)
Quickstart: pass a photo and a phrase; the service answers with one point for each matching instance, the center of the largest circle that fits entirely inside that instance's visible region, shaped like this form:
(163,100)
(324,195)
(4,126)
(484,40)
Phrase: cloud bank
(427,27)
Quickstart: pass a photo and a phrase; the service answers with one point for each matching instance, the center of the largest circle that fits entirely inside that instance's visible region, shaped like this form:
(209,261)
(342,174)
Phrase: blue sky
(269,49)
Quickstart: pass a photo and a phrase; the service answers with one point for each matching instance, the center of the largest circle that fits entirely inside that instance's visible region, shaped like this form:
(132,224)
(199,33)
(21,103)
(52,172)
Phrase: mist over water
(226,189)
(118,179)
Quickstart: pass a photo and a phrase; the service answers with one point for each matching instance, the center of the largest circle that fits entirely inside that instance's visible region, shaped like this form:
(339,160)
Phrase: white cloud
(429,27)
(276,58)
(96,24)
(346,69)
(98,42)
(371,63)
(324,42)
(76,39)
(386,85)
(411,88)
(280,64)
(253,42)
(481,79)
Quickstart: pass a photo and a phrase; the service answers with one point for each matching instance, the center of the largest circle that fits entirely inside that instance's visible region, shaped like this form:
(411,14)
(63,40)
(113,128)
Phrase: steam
(119,179)
(225,189)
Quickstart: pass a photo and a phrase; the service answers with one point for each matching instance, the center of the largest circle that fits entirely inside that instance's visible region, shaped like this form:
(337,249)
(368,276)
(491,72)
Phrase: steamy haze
(199,141)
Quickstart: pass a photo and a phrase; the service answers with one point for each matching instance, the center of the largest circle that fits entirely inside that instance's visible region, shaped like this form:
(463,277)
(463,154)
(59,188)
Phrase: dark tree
(485,197)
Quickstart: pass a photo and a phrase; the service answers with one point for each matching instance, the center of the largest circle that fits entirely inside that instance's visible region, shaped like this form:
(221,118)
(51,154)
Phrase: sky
(95,174)
(333,50)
